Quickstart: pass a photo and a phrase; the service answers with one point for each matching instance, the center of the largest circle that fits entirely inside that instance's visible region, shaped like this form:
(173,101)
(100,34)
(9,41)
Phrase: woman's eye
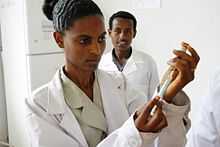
(84,41)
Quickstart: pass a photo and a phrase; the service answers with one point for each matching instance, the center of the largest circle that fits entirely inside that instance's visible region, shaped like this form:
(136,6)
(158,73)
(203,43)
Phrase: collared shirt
(116,62)
(90,115)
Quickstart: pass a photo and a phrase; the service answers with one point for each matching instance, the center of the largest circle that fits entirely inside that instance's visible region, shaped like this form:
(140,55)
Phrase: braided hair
(63,13)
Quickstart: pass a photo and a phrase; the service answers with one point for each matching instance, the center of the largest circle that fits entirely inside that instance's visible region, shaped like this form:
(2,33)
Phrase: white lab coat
(51,123)
(205,131)
(140,71)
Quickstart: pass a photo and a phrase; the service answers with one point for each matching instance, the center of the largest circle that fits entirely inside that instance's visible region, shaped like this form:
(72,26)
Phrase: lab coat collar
(97,119)
(89,109)
(56,102)
(75,102)
(129,67)
(109,65)
(113,104)
(58,107)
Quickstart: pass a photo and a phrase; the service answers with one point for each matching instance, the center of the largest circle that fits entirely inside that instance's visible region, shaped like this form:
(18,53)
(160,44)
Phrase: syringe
(165,82)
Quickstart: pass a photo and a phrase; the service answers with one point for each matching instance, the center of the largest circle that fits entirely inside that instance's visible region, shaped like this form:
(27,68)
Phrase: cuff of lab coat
(179,106)
(148,138)
(130,133)
(134,137)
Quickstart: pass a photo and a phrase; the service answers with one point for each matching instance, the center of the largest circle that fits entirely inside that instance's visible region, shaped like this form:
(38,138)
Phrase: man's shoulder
(108,54)
(140,55)
(214,83)
(106,61)
(113,75)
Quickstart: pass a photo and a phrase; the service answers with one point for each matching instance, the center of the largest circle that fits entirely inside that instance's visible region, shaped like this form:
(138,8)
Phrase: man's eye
(128,31)
(117,30)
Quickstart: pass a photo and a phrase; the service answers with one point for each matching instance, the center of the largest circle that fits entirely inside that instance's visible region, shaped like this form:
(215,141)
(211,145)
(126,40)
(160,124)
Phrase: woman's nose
(96,49)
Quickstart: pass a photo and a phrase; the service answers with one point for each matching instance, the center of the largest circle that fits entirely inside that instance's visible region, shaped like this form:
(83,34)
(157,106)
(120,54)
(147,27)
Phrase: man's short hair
(123,14)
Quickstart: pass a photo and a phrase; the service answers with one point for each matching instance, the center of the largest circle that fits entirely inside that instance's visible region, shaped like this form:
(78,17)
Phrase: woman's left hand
(184,66)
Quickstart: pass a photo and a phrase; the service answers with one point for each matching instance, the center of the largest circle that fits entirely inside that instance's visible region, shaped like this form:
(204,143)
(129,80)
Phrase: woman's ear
(109,32)
(59,39)
(135,32)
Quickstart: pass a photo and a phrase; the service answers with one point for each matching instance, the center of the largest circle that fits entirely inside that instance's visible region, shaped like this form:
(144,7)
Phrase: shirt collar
(76,100)
(79,99)
(115,59)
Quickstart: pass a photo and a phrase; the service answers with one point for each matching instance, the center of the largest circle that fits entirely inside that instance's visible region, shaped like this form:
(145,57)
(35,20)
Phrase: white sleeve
(174,112)
(128,136)
(174,135)
(205,131)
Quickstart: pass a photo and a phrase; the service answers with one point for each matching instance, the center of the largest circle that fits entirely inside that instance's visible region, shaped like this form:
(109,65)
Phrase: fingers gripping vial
(165,82)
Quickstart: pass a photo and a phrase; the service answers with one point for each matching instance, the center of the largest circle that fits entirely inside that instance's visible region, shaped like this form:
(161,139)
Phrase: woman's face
(84,43)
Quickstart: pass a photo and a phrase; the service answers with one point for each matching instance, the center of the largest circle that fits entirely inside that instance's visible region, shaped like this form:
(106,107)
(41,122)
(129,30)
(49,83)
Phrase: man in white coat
(139,68)
(86,107)
(205,131)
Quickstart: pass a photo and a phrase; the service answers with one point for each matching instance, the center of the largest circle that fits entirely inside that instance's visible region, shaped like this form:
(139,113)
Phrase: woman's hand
(184,66)
(146,121)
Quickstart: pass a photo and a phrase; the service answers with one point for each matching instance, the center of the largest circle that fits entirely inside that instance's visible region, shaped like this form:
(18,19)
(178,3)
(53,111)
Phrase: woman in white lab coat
(205,131)
(86,107)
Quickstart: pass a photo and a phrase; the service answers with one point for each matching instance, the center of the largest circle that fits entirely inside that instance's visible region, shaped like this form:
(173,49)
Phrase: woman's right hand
(146,121)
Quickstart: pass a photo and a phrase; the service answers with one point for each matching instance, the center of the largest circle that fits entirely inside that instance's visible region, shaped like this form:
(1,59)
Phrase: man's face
(122,33)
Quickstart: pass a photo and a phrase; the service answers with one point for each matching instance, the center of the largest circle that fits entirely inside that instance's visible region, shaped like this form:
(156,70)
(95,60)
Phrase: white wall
(29,61)
(15,74)
(162,29)
(3,117)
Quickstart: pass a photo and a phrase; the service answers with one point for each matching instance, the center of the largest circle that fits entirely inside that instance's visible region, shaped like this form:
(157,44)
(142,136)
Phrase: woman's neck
(83,79)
